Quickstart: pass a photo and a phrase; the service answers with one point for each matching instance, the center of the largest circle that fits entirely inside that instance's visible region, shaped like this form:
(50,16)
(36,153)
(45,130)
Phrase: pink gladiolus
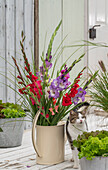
(51,110)
(56,108)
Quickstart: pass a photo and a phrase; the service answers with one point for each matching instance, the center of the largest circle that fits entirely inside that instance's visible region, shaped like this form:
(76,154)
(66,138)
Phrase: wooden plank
(23,157)
(36,33)
(2,51)
(19,28)
(28,7)
(10,47)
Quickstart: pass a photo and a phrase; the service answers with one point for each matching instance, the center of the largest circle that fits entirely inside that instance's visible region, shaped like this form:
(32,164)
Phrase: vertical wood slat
(36,33)
(29,41)
(10,33)
(28,28)
(2,51)
(12,23)
(19,28)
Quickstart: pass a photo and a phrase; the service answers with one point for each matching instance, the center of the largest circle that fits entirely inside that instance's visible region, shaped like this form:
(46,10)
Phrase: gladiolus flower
(54,101)
(56,108)
(34,78)
(20,82)
(32,100)
(47,115)
(28,76)
(26,68)
(41,113)
(19,77)
(20,90)
(30,73)
(66,100)
(51,110)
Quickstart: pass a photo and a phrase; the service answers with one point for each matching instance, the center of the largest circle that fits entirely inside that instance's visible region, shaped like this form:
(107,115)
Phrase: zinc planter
(49,144)
(98,163)
(12,132)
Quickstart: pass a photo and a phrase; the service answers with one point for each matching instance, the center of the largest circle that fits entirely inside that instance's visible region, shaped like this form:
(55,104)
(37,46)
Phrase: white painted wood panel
(2,50)
(10,47)
(50,14)
(73,26)
(17,15)
(28,28)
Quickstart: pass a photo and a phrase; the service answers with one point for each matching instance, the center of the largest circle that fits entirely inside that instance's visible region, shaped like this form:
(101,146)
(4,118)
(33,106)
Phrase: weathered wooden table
(24,157)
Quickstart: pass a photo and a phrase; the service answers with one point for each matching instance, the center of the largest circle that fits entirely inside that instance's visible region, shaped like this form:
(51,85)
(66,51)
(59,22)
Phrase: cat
(75,125)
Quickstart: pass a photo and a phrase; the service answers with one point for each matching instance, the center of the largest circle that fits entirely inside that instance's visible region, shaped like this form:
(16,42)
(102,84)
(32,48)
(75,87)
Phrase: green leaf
(52,39)
(1,129)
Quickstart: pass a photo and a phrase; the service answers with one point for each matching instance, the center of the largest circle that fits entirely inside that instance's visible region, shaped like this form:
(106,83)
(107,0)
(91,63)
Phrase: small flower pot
(49,144)
(98,163)
(12,132)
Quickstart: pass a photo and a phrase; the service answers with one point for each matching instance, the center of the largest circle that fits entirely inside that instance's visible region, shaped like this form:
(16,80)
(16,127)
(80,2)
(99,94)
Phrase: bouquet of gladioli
(54,97)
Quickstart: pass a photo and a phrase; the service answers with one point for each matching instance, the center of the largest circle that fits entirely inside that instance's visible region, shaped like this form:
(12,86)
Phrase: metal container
(98,163)
(49,144)
(12,132)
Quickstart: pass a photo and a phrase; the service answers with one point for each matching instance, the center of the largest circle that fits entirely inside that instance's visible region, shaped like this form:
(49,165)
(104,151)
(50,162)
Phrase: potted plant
(49,100)
(99,92)
(93,150)
(11,124)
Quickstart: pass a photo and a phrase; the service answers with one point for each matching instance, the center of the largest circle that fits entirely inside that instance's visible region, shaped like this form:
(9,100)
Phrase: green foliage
(100,89)
(91,144)
(11,110)
(1,129)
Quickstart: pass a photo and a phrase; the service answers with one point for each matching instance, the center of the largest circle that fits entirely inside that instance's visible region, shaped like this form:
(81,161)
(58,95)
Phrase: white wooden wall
(72,14)
(15,16)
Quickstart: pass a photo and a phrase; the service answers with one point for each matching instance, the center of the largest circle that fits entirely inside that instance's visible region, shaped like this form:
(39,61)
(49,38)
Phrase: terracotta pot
(49,144)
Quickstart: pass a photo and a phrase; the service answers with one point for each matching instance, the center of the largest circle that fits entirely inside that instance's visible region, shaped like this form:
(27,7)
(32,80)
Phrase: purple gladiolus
(54,84)
(75,100)
(48,64)
(54,93)
(81,94)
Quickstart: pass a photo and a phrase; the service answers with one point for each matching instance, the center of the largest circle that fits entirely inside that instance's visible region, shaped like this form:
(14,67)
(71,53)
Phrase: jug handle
(33,133)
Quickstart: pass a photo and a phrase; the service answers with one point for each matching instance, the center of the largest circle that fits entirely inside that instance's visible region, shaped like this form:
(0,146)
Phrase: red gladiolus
(36,88)
(75,85)
(26,68)
(73,92)
(32,100)
(23,88)
(28,76)
(47,115)
(20,90)
(20,82)
(66,100)
(54,101)
(34,78)
(41,113)
(30,73)
(19,77)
